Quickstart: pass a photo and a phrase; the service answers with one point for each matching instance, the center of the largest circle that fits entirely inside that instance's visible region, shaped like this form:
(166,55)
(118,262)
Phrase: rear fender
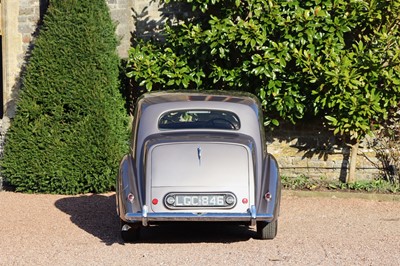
(271,183)
(126,185)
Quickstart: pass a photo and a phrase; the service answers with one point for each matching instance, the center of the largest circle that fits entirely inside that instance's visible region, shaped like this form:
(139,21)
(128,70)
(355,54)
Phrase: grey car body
(198,157)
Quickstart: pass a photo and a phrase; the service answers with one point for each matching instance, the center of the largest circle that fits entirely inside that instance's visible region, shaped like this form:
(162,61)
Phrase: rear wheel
(130,232)
(267,230)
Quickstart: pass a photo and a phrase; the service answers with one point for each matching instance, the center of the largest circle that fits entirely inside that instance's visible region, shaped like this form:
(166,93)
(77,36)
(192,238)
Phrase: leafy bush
(69,131)
(336,59)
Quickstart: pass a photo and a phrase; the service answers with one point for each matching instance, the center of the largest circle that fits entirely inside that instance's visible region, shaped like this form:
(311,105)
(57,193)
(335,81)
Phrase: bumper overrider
(145,216)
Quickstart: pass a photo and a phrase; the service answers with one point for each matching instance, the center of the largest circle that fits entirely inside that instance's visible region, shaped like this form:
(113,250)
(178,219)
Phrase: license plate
(225,200)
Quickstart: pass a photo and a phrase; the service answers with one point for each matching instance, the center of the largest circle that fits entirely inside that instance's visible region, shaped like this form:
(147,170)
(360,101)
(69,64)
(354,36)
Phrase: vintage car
(198,157)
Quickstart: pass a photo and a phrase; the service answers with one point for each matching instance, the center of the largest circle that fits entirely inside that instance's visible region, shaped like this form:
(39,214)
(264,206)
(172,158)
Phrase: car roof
(152,98)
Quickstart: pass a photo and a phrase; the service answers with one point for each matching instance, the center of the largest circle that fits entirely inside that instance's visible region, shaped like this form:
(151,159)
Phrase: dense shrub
(69,131)
(334,59)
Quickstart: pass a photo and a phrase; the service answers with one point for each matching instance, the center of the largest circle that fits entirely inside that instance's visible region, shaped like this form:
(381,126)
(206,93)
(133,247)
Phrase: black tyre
(267,230)
(130,232)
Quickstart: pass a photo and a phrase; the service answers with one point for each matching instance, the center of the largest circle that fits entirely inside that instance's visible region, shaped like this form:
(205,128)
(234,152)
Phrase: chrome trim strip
(253,213)
(146,217)
(199,155)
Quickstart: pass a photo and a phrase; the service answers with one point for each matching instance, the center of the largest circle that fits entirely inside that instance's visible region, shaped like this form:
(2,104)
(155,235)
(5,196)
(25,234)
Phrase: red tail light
(267,196)
(131,197)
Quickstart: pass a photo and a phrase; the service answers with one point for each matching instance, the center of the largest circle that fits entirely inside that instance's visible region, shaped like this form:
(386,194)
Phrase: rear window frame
(231,122)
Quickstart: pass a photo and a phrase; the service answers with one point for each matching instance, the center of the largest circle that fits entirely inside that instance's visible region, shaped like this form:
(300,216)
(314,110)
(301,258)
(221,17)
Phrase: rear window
(207,119)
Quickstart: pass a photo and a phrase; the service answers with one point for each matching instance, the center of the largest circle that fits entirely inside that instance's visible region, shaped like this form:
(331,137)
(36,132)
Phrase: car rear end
(199,178)
(195,161)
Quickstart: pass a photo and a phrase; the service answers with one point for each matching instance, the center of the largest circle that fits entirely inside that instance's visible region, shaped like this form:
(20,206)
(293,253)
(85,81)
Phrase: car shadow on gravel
(195,232)
(96,215)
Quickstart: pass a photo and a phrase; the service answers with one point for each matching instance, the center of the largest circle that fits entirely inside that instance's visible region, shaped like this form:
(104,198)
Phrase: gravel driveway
(83,230)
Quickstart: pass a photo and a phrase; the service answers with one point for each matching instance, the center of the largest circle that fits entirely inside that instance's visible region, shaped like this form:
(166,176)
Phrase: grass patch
(306,183)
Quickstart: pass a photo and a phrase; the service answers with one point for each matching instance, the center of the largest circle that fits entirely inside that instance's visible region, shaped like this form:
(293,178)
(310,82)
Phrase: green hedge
(338,60)
(70,129)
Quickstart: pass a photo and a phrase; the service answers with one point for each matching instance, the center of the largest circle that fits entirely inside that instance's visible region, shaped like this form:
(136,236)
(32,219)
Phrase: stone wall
(150,17)
(121,13)
(311,150)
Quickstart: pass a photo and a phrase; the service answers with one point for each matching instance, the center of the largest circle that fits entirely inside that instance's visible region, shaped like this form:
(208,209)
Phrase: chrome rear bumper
(145,217)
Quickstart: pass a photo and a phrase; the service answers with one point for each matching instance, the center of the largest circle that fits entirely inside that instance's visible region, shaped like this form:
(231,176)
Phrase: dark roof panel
(188,96)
